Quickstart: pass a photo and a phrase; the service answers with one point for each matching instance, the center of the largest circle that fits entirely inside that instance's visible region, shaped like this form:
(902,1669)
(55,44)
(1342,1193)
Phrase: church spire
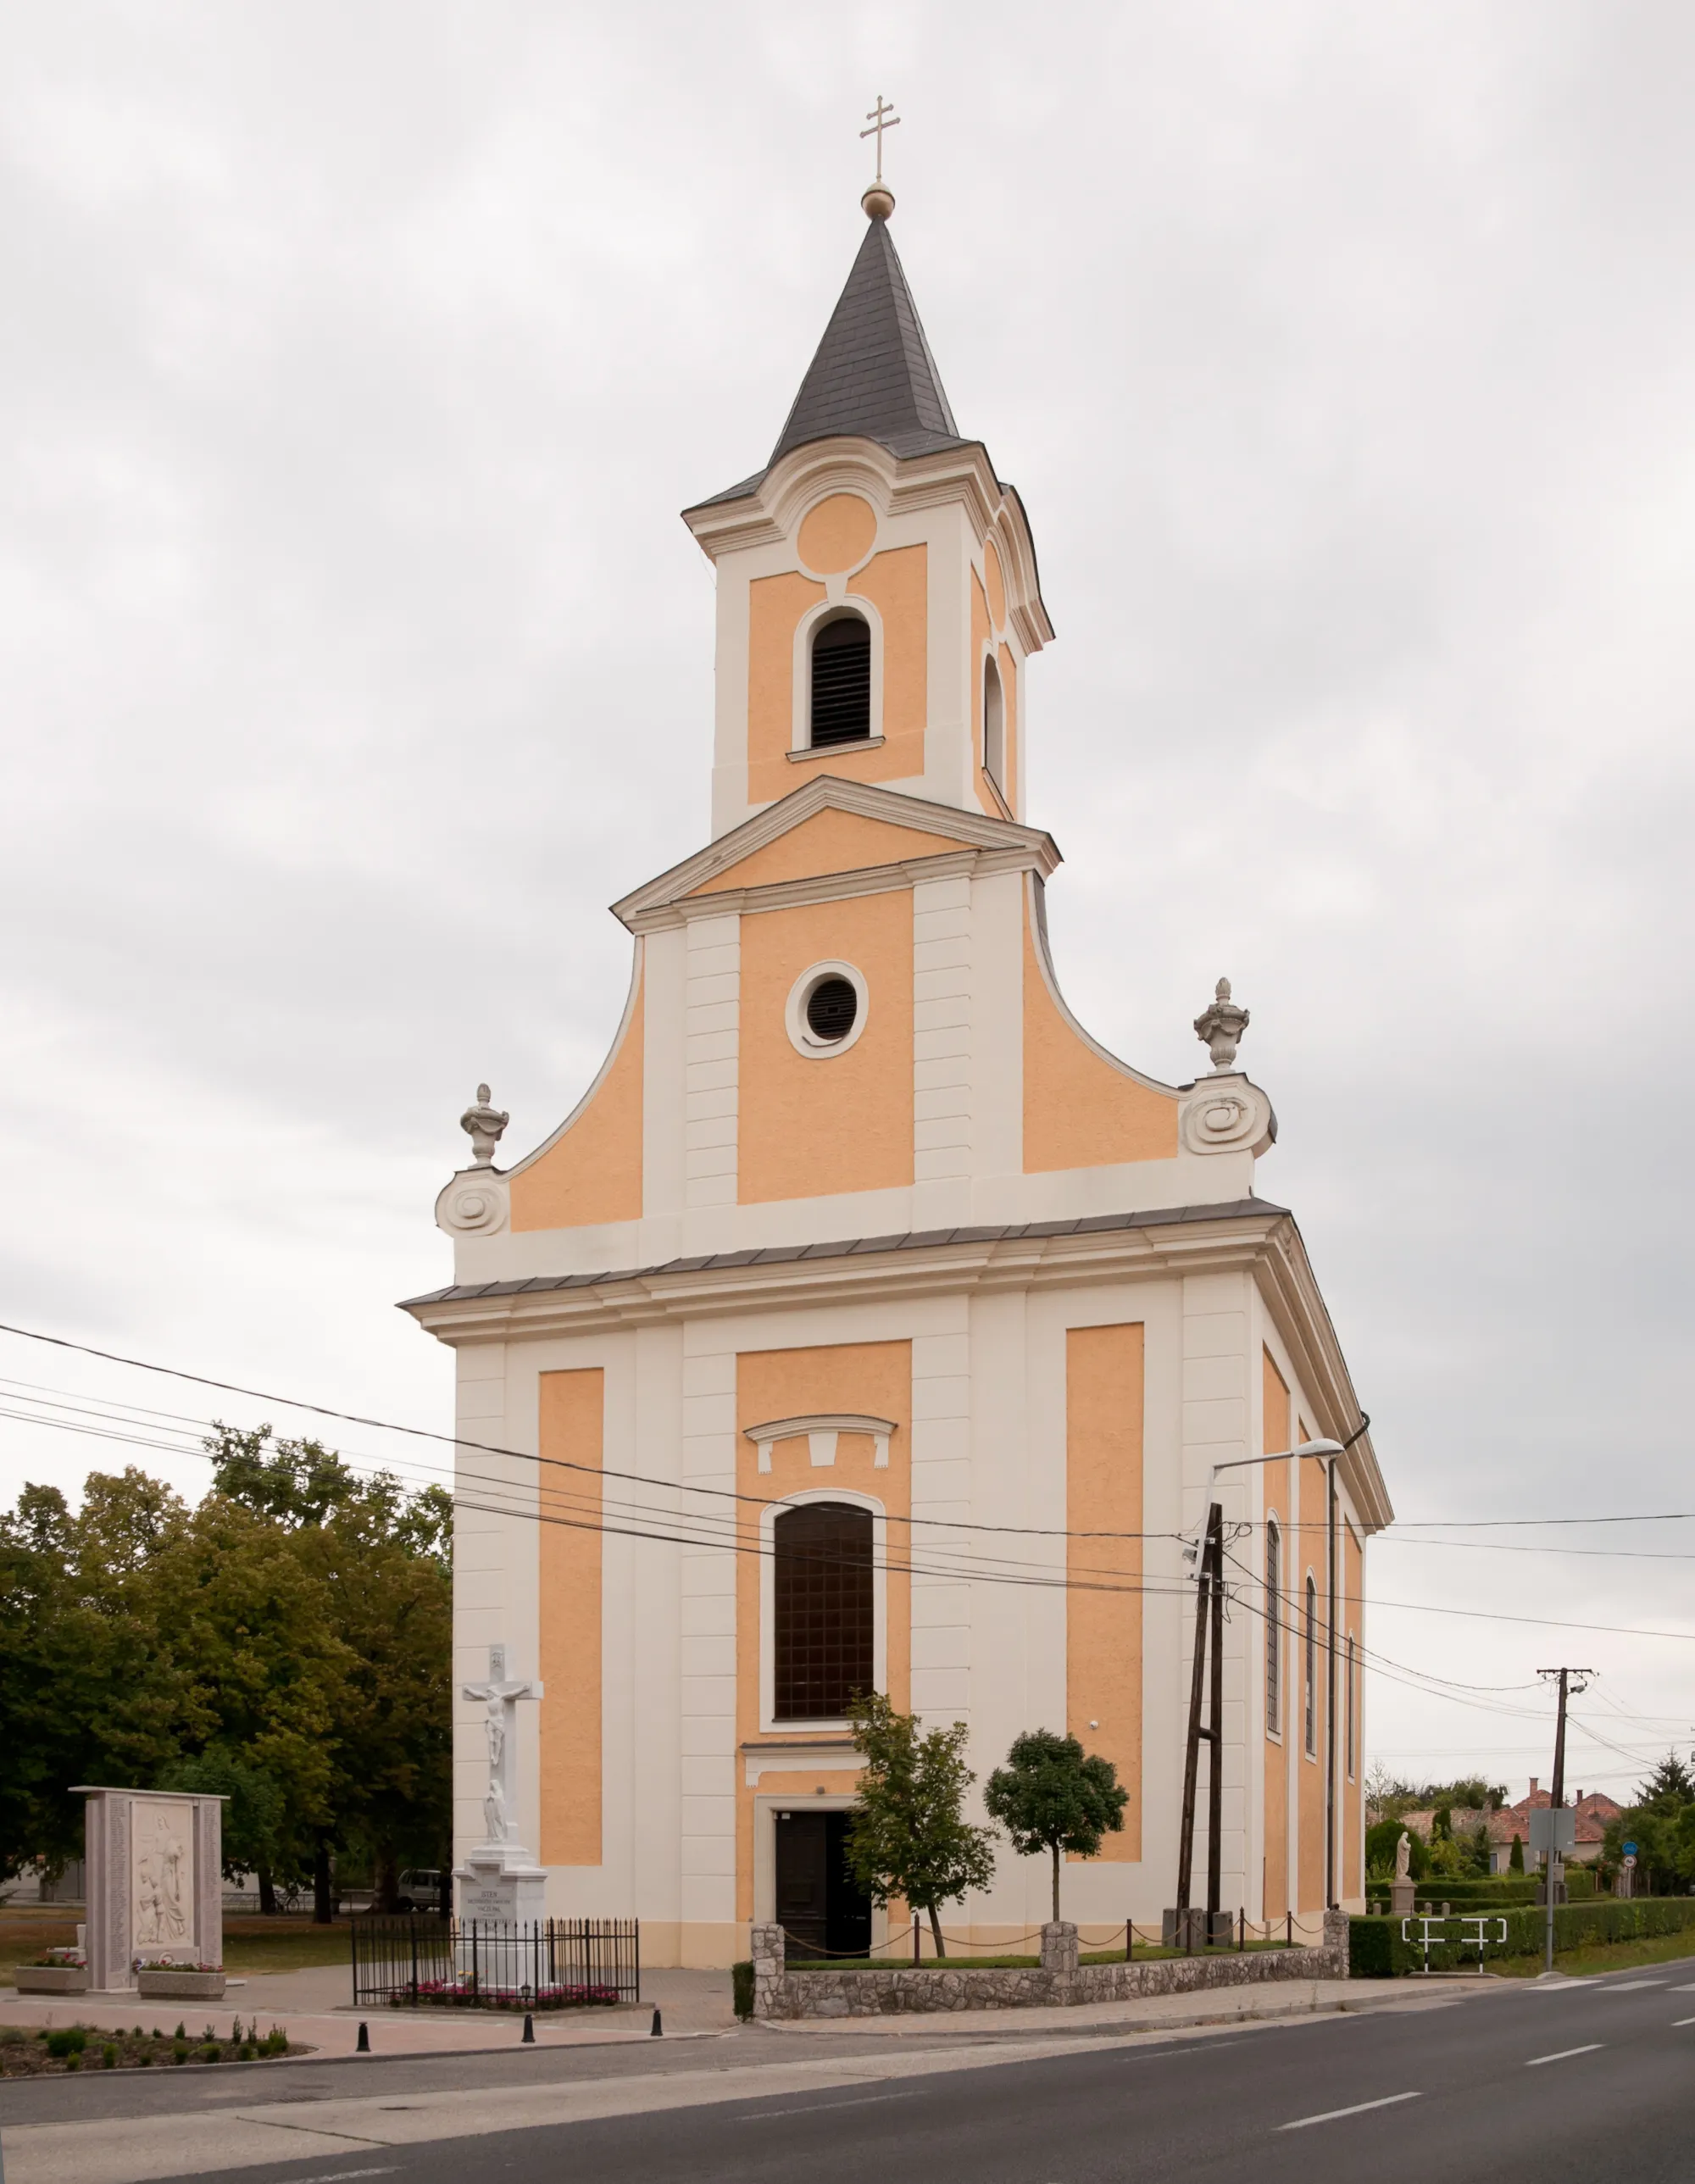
(873,376)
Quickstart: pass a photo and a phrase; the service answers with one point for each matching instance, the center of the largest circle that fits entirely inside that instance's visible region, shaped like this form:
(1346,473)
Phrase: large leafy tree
(1051,1796)
(908,1835)
(285,1644)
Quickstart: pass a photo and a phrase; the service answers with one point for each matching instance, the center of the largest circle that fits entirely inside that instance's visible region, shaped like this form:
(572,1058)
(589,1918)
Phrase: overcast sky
(354,362)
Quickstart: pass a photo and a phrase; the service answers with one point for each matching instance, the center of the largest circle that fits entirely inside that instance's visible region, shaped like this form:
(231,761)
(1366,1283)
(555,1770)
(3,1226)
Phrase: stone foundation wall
(894,1992)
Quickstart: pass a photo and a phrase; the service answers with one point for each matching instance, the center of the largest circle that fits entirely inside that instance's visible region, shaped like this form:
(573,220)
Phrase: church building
(866,1322)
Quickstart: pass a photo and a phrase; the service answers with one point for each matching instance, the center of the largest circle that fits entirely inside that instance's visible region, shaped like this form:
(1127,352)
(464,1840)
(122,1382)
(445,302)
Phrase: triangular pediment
(830,827)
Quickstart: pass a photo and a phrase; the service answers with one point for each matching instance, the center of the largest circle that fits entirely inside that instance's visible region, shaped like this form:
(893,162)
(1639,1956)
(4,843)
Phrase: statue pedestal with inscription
(155,1868)
(1401,1895)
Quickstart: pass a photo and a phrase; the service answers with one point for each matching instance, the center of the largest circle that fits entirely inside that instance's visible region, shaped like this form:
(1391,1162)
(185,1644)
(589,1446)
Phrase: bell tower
(878,592)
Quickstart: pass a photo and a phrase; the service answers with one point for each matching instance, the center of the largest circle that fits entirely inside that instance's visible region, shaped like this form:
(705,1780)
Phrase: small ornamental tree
(1515,1856)
(907,1836)
(1052,1796)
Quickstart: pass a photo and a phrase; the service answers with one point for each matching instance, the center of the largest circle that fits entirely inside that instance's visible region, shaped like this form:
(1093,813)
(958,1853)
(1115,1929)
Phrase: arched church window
(994,725)
(1312,1734)
(841,681)
(824,1625)
(1274,1629)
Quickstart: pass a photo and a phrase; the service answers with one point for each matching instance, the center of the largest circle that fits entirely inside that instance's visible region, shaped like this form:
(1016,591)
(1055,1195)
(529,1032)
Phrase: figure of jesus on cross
(500,1697)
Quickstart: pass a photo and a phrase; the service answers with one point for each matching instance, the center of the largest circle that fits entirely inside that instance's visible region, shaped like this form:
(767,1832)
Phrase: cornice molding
(770,512)
(986,843)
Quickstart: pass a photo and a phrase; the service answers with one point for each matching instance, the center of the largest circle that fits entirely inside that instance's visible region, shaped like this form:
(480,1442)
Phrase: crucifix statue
(499,1696)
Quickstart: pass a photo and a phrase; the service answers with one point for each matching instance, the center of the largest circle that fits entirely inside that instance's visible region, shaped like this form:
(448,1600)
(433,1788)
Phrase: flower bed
(165,1979)
(473,1994)
(72,2047)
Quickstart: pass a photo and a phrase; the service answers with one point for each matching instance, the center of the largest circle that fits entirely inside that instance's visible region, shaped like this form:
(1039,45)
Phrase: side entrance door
(819,1905)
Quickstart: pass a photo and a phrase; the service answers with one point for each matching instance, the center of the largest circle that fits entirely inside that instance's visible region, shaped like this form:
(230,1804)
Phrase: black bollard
(529,2039)
(364,2046)
(657,2027)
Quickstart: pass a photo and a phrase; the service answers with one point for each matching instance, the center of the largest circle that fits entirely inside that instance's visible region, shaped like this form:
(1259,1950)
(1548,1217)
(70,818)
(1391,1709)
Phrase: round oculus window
(832,1008)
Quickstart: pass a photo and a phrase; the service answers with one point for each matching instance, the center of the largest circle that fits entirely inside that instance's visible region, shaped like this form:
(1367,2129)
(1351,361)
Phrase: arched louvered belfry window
(994,725)
(841,682)
(823,1631)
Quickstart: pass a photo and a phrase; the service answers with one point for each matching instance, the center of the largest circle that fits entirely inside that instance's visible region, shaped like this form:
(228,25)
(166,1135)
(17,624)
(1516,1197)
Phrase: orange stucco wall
(593,1172)
(837,534)
(775,606)
(994,583)
(875,1378)
(572,1431)
(1103,1620)
(1079,1111)
(1275,1435)
(828,842)
(810,1126)
(896,583)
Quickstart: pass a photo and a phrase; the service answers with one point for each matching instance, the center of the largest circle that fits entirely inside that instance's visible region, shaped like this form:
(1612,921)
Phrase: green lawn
(1602,1956)
(251,1946)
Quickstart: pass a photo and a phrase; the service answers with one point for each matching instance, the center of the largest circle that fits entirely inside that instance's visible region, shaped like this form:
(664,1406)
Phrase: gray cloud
(354,365)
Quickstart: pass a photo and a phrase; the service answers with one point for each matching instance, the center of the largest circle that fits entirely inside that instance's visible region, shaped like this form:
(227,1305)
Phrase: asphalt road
(1584,2081)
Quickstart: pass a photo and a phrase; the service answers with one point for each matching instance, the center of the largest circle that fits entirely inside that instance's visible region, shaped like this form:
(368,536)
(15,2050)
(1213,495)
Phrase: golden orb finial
(878,201)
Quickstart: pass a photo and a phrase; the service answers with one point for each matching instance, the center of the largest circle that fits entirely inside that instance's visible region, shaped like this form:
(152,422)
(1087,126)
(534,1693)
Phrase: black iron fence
(548,1964)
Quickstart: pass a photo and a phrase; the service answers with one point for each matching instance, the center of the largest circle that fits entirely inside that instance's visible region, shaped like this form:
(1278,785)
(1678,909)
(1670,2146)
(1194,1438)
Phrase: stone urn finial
(1221,1026)
(485,1124)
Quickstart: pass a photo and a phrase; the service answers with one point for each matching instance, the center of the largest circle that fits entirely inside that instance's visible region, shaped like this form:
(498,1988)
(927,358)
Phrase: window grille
(841,682)
(1311,1669)
(824,1633)
(1274,1629)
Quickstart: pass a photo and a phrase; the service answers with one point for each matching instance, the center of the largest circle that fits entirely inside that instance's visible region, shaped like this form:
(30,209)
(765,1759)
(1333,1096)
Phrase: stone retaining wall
(1059,1982)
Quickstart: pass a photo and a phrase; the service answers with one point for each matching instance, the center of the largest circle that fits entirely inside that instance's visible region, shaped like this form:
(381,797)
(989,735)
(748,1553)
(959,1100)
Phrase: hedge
(1500,1888)
(1376,1950)
(741,1986)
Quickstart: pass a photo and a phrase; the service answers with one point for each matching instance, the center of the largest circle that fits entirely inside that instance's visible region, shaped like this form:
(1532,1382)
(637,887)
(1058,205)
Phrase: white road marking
(1629,1987)
(1676,2021)
(1590,2048)
(1690,1989)
(820,2107)
(342,2176)
(1359,2108)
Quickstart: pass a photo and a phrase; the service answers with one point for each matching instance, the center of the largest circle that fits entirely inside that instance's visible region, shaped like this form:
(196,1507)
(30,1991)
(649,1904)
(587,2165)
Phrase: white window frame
(1309,1664)
(1274,1630)
(834,609)
(994,762)
(801,1036)
(768,1723)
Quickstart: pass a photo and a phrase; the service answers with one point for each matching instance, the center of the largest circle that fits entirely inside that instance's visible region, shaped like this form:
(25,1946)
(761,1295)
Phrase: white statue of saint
(1403,1856)
(494,1812)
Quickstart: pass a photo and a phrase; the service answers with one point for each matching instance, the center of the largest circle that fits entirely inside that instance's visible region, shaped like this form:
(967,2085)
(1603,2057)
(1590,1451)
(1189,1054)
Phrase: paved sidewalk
(315,2006)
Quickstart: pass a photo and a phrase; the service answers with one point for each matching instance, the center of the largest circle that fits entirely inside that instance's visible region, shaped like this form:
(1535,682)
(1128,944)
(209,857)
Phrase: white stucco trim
(821,1429)
(801,1036)
(769,1725)
(833,608)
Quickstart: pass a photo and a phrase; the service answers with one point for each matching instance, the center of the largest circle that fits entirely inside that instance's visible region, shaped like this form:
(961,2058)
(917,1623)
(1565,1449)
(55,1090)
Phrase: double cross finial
(881,117)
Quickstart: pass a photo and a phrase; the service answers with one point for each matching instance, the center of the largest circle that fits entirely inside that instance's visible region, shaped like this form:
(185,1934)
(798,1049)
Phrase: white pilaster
(711,1045)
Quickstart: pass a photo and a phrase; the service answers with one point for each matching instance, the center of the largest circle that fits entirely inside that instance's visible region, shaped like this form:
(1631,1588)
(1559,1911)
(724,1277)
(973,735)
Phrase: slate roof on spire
(873,376)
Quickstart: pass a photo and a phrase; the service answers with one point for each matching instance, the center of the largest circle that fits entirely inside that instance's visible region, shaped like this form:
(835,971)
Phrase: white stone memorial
(155,1863)
(500,1884)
